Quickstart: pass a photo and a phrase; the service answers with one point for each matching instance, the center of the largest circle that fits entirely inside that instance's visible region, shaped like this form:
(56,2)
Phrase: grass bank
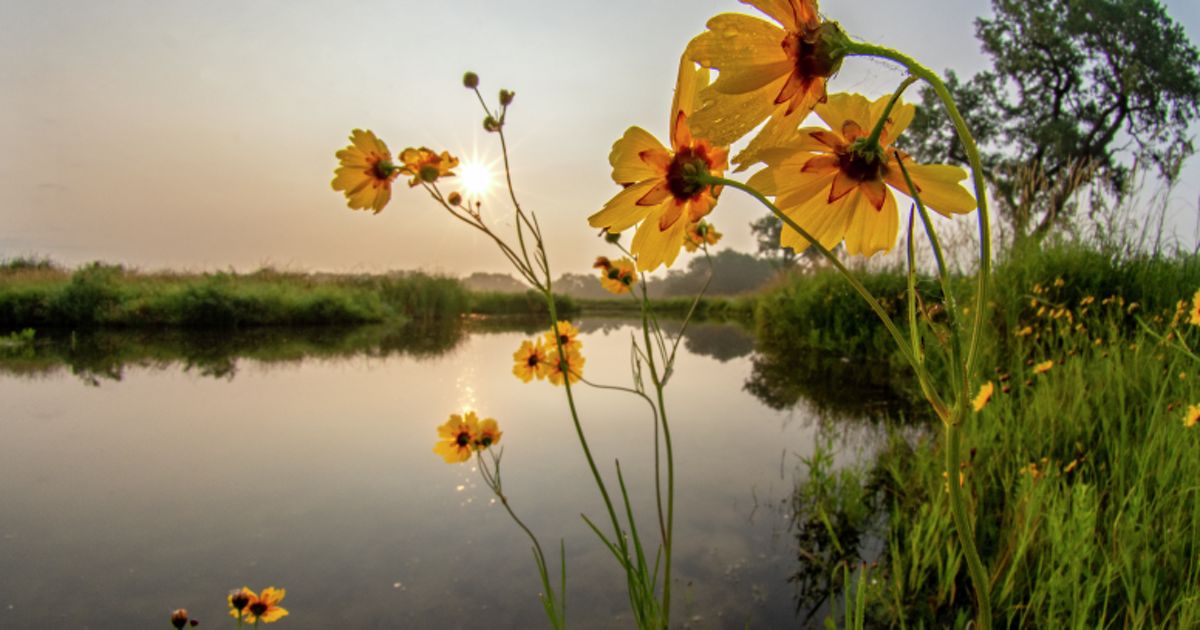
(1082,475)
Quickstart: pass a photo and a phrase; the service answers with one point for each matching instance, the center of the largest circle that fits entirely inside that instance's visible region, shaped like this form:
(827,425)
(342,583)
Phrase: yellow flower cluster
(462,436)
(366,171)
(616,276)
(540,358)
(835,182)
(246,605)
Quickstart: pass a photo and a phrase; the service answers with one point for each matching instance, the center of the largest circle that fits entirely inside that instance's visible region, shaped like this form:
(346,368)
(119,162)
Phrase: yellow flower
(985,394)
(426,166)
(836,186)
(456,438)
(1043,367)
(566,334)
(572,366)
(1192,416)
(239,600)
(766,70)
(265,606)
(700,233)
(616,276)
(659,189)
(1028,330)
(529,361)
(1195,320)
(1087,300)
(366,172)
(489,434)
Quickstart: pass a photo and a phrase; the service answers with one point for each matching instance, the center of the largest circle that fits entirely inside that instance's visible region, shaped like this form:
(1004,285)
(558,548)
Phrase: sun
(476,179)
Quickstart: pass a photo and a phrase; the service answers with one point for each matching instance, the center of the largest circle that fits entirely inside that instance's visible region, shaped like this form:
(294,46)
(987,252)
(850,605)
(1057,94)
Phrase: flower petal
(735,42)
(825,221)
(622,211)
(627,153)
(938,185)
(870,230)
(656,247)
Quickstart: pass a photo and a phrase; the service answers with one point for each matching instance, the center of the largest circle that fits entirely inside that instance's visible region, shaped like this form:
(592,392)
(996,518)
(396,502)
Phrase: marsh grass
(99,295)
(1083,479)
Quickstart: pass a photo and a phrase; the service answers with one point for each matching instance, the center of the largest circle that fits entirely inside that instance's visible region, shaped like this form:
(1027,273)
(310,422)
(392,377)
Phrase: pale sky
(201,135)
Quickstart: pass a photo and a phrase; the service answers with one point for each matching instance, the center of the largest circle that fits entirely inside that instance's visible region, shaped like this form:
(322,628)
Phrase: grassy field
(1082,476)
(37,294)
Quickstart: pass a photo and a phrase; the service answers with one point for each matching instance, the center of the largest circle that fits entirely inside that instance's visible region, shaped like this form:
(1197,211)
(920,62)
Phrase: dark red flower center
(462,440)
(258,608)
(687,165)
(862,163)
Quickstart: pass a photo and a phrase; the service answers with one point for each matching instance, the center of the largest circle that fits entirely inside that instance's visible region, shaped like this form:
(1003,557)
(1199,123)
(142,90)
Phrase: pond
(146,471)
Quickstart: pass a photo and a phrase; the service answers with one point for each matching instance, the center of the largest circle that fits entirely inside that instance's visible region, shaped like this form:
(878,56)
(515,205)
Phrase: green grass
(97,295)
(1083,480)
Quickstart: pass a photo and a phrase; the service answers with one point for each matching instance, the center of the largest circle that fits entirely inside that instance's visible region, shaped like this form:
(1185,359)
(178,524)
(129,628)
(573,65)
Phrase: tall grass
(1083,478)
(99,295)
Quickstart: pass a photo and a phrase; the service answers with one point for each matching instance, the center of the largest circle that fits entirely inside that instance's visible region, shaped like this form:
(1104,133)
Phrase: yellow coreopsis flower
(1195,319)
(1192,416)
(529,361)
(660,191)
(456,438)
(426,166)
(985,394)
(766,70)
(366,172)
(571,364)
(616,276)
(700,233)
(265,607)
(1043,367)
(836,184)
(239,600)
(565,333)
(489,434)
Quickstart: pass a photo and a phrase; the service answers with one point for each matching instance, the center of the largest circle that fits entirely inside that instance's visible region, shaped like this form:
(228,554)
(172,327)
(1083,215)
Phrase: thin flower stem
(966,536)
(873,139)
(905,349)
(666,429)
(692,310)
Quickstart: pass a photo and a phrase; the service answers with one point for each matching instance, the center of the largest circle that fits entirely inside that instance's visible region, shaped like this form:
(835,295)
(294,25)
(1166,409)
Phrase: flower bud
(612,237)
(506,97)
(470,80)
(179,618)
(491,125)
(454,199)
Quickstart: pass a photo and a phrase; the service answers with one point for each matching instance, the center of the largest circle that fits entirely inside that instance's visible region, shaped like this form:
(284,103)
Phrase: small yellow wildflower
(985,394)
(457,438)
(1195,319)
(700,233)
(571,365)
(1192,416)
(616,276)
(1087,300)
(1043,367)
(1058,282)
(489,434)
(239,600)
(366,172)
(1025,332)
(426,166)
(563,333)
(265,606)
(529,361)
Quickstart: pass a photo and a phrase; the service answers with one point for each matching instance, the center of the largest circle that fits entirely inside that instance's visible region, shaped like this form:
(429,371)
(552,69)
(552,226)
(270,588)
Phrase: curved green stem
(966,536)
(666,429)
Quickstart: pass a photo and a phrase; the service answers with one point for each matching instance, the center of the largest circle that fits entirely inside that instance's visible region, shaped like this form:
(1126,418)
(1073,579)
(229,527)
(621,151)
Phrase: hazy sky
(201,135)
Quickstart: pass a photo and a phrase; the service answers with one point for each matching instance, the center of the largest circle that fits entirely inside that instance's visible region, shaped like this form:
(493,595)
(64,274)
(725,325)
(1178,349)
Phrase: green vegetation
(97,295)
(1083,477)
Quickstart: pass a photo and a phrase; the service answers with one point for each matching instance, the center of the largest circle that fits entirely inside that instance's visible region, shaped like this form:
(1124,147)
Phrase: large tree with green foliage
(1078,90)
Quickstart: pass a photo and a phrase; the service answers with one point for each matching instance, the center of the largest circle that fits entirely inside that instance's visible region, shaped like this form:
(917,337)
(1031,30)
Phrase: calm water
(145,472)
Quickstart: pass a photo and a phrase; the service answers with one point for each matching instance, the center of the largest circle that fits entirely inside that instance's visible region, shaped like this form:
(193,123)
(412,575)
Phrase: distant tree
(1076,86)
(766,231)
(498,282)
(733,272)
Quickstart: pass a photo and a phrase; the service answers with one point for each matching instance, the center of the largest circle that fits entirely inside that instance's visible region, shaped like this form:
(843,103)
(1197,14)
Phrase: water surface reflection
(302,460)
